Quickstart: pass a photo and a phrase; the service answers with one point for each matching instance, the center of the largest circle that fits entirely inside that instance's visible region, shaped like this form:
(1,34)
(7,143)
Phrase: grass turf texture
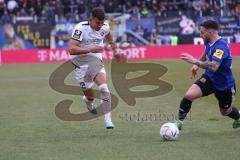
(29,128)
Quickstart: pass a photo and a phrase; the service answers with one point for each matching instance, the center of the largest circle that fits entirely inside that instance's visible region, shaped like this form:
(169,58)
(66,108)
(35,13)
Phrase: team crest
(102,33)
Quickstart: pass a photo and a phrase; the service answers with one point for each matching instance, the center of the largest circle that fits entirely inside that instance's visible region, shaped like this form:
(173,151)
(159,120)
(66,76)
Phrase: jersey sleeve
(106,28)
(220,53)
(77,33)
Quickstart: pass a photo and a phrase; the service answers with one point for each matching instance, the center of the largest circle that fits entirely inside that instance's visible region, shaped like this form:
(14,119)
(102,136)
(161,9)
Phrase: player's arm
(118,56)
(195,68)
(74,48)
(217,58)
(203,57)
(113,45)
(209,65)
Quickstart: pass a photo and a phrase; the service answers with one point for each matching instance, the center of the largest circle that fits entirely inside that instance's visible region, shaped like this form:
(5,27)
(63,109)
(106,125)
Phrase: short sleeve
(106,29)
(77,33)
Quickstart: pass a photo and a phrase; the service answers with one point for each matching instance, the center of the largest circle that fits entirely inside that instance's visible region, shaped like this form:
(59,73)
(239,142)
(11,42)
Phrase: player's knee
(193,93)
(190,96)
(226,111)
(103,88)
(104,91)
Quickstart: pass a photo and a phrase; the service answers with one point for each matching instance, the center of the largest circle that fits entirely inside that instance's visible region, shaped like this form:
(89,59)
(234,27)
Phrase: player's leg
(89,94)
(80,73)
(201,87)
(226,106)
(89,100)
(193,93)
(100,80)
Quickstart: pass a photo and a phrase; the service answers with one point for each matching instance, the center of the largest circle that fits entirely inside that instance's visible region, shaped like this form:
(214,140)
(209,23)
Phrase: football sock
(234,114)
(108,116)
(105,100)
(184,108)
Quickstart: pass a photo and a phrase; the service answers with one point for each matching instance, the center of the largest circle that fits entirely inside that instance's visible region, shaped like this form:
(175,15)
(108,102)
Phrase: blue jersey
(223,78)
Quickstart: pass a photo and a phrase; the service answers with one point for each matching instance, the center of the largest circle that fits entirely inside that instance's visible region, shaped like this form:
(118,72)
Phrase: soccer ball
(169,132)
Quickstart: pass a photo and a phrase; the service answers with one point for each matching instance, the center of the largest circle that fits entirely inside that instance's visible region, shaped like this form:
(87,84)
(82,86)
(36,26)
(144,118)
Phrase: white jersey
(89,37)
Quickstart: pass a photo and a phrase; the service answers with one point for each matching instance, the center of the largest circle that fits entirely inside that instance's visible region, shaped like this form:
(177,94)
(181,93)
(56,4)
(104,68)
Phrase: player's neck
(91,25)
(214,38)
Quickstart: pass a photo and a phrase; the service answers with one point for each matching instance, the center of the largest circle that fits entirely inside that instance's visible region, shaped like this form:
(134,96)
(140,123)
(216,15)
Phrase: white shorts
(86,71)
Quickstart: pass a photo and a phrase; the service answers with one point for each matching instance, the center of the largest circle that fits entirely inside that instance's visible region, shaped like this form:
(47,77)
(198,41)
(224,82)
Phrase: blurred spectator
(153,37)
(174,40)
(158,40)
(237,9)
(5,18)
(198,5)
(140,8)
(128,7)
(22,13)
(2,7)
(206,11)
(81,6)
(93,3)
(144,12)
(43,17)
(154,7)
(187,25)
(109,6)
(32,12)
(163,10)
(12,6)
(147,34)
(237,37)
(139,30)
(166,39)
(12,41)
(39,7)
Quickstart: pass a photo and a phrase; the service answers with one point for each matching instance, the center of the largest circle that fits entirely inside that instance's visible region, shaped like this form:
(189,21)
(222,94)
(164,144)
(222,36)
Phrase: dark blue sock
(184,108)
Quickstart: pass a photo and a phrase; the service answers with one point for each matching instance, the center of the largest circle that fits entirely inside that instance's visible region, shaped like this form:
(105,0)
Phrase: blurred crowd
(78,10)
(183,13)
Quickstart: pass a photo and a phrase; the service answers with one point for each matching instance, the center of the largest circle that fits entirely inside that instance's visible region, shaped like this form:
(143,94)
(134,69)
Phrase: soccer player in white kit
(86,49)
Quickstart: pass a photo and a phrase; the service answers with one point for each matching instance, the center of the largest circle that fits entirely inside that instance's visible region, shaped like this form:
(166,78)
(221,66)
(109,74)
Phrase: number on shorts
(82,85)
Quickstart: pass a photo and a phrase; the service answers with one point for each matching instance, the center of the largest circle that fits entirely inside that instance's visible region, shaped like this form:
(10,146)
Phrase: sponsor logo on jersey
(218,53)
(95,35)
(77,34)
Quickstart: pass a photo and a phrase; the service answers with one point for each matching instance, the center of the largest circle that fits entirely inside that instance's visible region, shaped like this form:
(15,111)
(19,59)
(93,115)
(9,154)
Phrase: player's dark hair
(98,13)
(210,24)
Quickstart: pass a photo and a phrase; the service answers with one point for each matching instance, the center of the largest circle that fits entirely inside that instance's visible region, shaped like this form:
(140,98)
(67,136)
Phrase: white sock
(108,116)
(180,121)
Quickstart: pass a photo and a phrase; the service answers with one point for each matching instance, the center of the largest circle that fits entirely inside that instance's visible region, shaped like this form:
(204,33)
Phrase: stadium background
(150,31)
(41,24)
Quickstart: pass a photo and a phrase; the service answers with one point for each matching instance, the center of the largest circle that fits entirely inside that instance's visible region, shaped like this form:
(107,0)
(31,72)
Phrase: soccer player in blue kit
(217,78)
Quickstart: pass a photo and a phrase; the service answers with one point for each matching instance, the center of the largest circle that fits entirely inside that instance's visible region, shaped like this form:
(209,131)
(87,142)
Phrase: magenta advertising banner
(132,53)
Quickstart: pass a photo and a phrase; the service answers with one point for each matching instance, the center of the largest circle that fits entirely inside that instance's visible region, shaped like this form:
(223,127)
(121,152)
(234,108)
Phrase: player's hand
(120,57)
(194,71)
(188,58)
(97,49)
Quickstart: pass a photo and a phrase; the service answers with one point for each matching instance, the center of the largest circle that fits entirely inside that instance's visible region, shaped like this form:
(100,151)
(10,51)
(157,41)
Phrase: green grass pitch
(30,130)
